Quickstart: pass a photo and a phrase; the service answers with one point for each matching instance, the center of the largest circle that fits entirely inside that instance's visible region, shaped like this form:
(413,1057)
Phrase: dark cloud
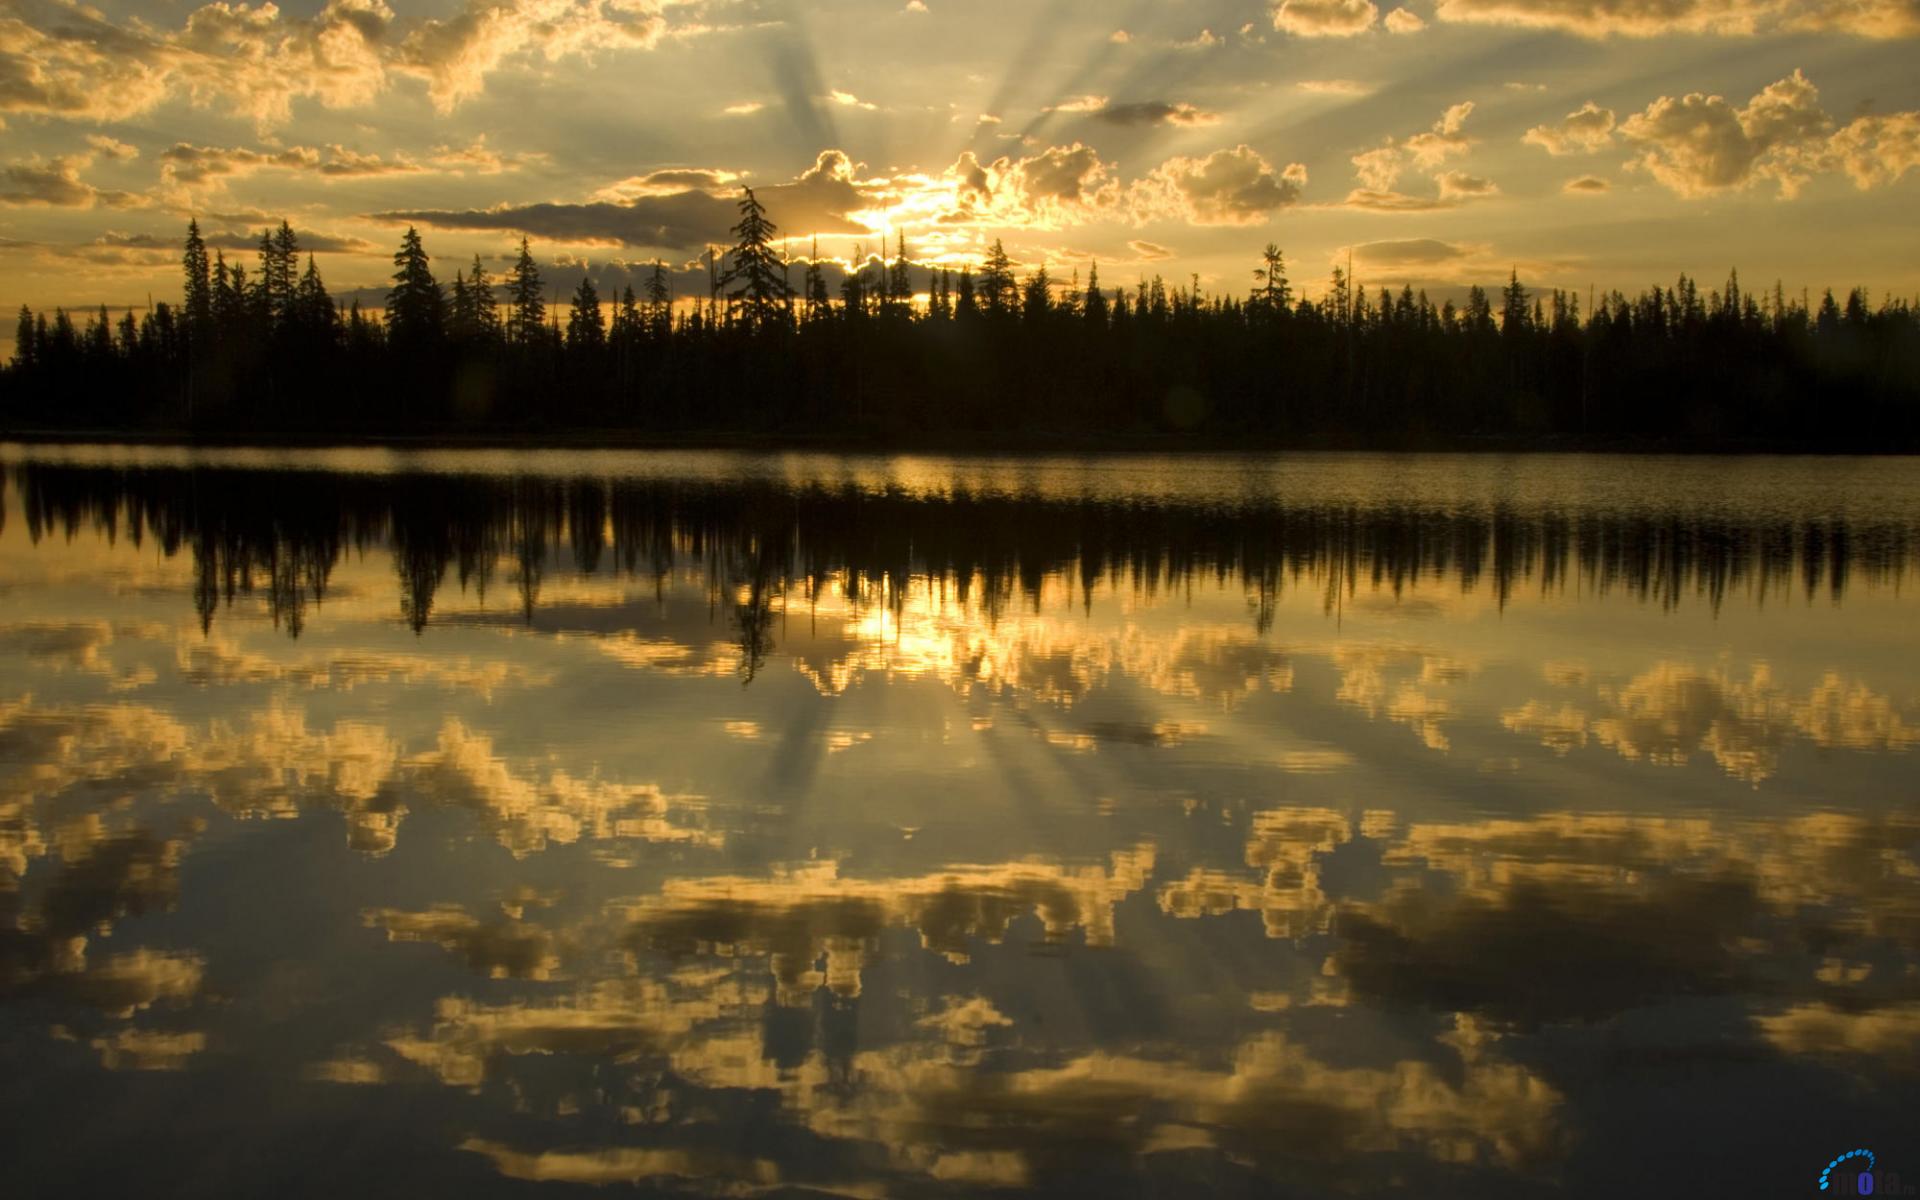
(310,242)
(1155,112)
(1411,250)
(815,203)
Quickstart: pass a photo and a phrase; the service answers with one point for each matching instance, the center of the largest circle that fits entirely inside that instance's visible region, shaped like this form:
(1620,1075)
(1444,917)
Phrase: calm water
(489,823)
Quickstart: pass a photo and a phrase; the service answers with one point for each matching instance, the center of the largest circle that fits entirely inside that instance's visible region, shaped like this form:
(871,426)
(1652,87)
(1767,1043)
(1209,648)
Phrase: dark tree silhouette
(755,278)
(526,311)
(986,352)
(416,308)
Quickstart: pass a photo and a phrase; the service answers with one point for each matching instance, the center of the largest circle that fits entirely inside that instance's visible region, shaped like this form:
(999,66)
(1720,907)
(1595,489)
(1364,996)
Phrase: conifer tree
(526,311)
(659,299)
(485,310)
(416,307)
(1273,292)
(997,286)
(1094,306)
(199,285)
(756,277)
(586,325)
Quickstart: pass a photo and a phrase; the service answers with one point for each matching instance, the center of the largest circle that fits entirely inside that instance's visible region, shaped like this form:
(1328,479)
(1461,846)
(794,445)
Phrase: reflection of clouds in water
(148,1049)
(1285,842)
(1055,659)
(811,915)
(528,812)
(1666,715)
(219,661)
(499,949)
(617,1019)
(1889,1036)
(274,765)
(1378,680)
(79,646)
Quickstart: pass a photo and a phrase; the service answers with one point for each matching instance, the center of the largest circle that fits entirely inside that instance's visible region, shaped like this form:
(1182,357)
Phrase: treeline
(769,350)
(280,535)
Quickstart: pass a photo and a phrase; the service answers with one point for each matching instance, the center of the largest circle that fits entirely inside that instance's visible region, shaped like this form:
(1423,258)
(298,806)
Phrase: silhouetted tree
(416,308)
(526,310)
(755,277)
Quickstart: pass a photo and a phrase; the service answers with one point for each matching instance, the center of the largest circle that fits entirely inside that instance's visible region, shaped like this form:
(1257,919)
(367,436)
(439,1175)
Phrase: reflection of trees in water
(284,532)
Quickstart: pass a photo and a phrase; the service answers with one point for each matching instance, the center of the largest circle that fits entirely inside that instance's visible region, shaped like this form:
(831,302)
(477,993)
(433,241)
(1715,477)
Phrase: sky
(1441,143)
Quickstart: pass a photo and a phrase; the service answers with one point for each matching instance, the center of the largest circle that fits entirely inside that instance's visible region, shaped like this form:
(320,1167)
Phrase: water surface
(495,823)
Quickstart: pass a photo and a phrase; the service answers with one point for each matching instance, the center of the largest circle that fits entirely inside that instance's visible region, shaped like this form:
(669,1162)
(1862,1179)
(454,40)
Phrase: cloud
(1422,252)
(112,148)
(58,58)
(745,108)
(311,242)
(1155,112)
(1119,37)
(1404,20)
(1587,130)
(670,181)
(1227,187)
(187,165)
(56,183)
(1335,87)
(1379,169)
(1877,150)
(1149,251)
(1078,104)
(1325,18)
(1382,200)
(1657,18)
(1699,144)
(819,201)
(1458,185)
(1586,185)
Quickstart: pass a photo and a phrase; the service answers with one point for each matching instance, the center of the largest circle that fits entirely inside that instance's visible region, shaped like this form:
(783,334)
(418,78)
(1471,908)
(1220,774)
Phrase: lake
(489,822)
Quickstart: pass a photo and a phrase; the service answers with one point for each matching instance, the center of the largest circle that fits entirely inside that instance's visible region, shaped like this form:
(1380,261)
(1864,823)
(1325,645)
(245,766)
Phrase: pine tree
(900,279)
(1514,319)
(818,306)
(313,307)
(659,299)
(526,311)
(759,293)
(279,251)
(199,286)
(997,286)
(485,310)
(586,325)
(416,308)
(24,350)
(1037,301)
(1274,293)
(1094,306)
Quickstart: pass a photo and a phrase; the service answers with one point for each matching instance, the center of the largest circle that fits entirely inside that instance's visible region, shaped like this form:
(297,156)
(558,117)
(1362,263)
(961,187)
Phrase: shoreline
(946,443)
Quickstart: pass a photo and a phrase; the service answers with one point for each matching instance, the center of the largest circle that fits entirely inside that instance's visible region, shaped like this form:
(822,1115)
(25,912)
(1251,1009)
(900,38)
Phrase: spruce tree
(416,308)
(756,278)
(485,309)
(1094,306)
(586,325)
(199,285)
(526,311)
(997,287)
(659,299)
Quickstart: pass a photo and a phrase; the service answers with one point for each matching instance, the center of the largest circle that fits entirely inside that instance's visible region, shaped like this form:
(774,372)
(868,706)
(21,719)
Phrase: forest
(769,351)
